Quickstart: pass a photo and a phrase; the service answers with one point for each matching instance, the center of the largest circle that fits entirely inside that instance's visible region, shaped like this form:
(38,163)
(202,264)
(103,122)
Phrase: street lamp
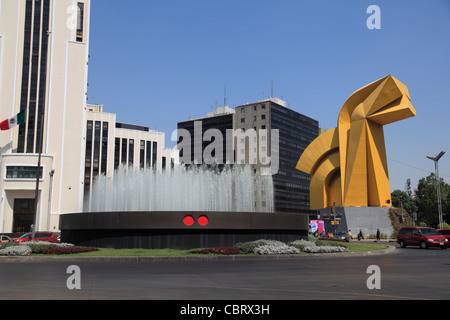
(438,186)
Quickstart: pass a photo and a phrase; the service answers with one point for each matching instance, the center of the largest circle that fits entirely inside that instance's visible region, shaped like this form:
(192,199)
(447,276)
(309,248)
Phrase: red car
(38,236)
(444,232)
(421,236)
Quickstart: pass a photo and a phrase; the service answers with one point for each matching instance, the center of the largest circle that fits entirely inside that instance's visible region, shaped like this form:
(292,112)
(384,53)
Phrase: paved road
(409,273)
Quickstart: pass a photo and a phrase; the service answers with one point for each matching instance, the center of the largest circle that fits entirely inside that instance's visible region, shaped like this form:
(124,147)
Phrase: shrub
(221,250)
(249,247)
(276,249)
(325,249)
(301,244)
(16,251)
(69,250)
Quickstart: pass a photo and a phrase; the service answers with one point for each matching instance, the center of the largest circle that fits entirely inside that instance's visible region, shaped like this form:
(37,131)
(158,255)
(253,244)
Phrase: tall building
(195,150)
(295,133)
(110,144)
(44,47)
(43,70)
(256,127)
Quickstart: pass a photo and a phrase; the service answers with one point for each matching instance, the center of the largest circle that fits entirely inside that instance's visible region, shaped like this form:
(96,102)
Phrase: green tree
(426,200)
(400,197)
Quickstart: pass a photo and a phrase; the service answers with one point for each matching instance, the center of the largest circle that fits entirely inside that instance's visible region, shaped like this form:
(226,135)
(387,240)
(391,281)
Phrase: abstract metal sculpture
(348,164)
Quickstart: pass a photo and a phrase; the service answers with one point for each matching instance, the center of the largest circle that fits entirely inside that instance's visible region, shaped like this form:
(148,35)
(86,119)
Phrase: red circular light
(203,220)
(188,220)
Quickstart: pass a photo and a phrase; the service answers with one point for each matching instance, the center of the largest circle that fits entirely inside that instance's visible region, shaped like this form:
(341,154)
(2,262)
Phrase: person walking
(378,234)
(360,235)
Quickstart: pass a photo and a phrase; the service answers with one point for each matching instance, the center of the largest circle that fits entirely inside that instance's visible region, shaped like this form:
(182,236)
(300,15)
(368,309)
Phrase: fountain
(181,209)
(234,189)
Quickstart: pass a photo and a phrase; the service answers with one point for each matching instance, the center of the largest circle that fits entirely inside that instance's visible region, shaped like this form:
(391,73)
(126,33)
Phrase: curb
(15,259)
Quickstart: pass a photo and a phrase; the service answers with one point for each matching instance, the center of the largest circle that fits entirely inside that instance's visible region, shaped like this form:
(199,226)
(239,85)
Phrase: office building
(43,70)
(44,47)
(295,133)
(198,148)
(110,144)
(266,135)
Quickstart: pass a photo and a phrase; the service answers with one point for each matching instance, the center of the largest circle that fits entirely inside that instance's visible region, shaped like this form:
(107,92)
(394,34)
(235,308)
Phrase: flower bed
(69,250)
(222,250)
(15,251)
(273,247)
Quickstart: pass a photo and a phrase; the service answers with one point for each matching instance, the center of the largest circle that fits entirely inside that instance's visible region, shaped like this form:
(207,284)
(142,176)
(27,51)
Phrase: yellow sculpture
(348,164)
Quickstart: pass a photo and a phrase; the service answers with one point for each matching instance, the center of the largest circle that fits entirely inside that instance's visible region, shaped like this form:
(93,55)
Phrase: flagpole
(36,193)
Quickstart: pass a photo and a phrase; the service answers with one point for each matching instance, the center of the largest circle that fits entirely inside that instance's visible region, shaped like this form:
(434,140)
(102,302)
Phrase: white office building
(44,47)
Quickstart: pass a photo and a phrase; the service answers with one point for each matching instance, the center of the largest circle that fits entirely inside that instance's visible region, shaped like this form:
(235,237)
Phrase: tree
(426,200)
(400,198)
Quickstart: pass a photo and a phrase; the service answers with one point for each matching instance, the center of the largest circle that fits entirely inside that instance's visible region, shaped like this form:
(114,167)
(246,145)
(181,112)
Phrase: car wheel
(423,245)
(402,244)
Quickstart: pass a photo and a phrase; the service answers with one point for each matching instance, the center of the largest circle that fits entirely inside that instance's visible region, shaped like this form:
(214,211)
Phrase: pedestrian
(378,234)
(360,235)
(349,235)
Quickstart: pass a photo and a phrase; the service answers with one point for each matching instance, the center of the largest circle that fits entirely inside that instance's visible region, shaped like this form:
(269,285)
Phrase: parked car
(421,236)
(39,236)
(341,235)
(4,239)
(444,232)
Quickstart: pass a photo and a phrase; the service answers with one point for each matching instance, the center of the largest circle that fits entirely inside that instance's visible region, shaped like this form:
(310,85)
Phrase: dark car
(444,232)
(39,236)
(341,235)
(421,236)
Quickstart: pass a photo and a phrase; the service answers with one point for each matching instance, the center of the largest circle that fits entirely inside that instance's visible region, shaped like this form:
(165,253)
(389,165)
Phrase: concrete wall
(366,219)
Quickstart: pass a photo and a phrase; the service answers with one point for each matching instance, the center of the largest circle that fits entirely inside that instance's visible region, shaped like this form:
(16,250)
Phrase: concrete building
(221,119)
(43,69)
(295,133)
(44,47)
(110,144)
(252,126)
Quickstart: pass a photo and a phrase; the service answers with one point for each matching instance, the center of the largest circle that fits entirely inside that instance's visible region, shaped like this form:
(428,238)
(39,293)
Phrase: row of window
(263,117)
(22,172)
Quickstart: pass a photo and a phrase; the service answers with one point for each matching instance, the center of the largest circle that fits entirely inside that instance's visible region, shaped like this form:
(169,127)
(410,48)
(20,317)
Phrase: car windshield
(428,231)
(26,235)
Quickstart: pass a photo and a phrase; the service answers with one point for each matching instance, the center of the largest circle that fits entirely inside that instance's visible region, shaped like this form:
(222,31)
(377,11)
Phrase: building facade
(44,48)
(266,135)
(198,148)
(44,52)
(111,144)
(295,132)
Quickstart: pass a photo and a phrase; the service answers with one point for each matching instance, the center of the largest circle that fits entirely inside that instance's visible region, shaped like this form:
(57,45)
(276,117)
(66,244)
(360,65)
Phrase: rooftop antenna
(271,90)
(225,96)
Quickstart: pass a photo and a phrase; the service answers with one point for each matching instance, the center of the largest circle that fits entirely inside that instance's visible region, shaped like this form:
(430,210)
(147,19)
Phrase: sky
(157,63)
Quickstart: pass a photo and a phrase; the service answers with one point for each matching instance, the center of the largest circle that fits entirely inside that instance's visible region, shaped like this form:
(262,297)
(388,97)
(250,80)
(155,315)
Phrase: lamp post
(438,185)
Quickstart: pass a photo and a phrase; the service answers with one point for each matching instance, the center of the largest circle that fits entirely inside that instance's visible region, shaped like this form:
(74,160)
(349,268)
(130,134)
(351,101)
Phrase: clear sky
(157,63)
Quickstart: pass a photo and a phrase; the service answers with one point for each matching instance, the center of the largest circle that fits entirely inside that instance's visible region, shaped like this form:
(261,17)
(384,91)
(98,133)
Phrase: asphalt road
(409,273)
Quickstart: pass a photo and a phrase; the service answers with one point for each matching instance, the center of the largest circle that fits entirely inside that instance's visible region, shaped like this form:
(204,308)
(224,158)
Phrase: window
(80,21)
(142,155)
(242,110)
(263,116)
(116,153)
(154,153)
(131,152)
(242,120)
(22,172)
(124,151)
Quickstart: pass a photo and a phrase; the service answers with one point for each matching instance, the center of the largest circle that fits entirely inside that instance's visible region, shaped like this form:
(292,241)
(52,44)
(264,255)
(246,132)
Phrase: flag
(14,121)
